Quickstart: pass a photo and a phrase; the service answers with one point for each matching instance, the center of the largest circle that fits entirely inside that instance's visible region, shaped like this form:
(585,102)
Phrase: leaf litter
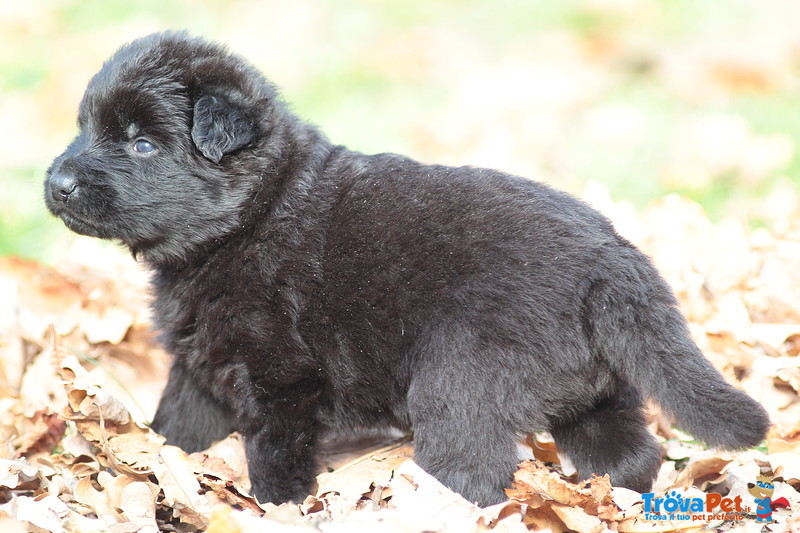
(80,375)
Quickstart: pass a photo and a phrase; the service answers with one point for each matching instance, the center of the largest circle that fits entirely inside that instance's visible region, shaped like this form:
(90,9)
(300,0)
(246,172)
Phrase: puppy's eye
(144,147)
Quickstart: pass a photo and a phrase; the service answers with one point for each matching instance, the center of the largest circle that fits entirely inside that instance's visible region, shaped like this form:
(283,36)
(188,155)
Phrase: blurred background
(639,97)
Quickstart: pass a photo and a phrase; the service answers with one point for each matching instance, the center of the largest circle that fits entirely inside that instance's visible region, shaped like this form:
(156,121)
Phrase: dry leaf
(96,499)
(19,474)
(182,492)
(576,519)
(784,437)
(624,498)
(353,480)
(703,471)
(226,458)
(86,398)
(138,505)
(544,519)
(428,504)
(493,515)
(46,433)
(543,449)
(46,513)
(110,325)
(535,479)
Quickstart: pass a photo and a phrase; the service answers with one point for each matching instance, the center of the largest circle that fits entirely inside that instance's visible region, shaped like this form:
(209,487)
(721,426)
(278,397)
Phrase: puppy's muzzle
(62,186)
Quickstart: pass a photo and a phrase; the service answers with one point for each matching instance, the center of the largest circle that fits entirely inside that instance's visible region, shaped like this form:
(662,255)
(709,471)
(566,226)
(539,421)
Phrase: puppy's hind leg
(188,416)
(461,431)
(612,438)
(473,456)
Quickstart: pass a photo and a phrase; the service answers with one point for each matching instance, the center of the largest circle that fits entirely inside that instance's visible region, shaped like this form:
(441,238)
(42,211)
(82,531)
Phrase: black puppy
(301,286)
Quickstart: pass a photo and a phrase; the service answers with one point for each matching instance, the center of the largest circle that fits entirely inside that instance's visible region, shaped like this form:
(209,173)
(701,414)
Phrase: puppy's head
(172,140)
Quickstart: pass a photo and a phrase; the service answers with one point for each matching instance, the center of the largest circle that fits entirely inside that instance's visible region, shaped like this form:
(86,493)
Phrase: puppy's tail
(633,323)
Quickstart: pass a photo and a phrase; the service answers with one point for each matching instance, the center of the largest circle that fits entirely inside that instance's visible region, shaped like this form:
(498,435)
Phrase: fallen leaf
(19,474)
(543,448)
(86,397)
(109,325)
(784,437)
(182,491)
(138,505)
(576,519)
(625,498)
(353,480)
(703,471)
(428,504)
(46,432)
(45,513)
(96,499)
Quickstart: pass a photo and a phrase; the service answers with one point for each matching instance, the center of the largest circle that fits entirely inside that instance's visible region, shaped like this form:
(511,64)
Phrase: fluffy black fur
(302,286)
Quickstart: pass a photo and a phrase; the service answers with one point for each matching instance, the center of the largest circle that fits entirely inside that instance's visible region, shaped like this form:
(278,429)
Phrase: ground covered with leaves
(80,374)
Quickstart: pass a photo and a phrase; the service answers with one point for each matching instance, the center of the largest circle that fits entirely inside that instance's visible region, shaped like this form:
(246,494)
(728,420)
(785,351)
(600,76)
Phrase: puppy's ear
(220,127)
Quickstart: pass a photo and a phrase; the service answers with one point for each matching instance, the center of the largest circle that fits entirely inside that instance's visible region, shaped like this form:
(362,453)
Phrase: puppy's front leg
(281,453)
(188,416)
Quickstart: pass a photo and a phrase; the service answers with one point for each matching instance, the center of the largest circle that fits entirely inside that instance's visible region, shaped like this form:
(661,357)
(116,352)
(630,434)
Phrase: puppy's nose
(62,186)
